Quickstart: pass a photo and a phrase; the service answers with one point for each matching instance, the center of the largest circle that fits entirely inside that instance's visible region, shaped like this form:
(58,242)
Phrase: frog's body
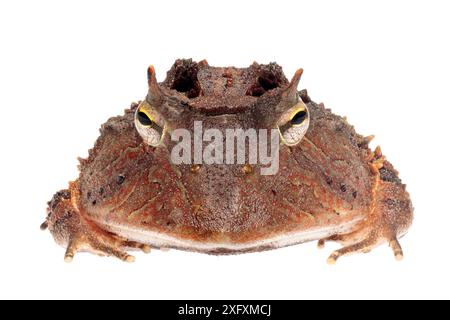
(329,186)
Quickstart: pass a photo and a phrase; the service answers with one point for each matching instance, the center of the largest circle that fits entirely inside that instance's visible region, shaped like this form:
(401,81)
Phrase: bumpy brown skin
(329,178)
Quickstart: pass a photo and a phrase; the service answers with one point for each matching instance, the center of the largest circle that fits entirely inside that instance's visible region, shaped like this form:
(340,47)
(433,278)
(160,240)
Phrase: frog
(329,184)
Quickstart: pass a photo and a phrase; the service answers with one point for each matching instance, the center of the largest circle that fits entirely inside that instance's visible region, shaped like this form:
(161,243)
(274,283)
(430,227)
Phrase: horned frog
(329,184)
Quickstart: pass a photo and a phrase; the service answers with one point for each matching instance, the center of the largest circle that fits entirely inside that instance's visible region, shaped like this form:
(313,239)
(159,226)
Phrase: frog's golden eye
(149,125)
(293,124)
(299,117)
(144,119)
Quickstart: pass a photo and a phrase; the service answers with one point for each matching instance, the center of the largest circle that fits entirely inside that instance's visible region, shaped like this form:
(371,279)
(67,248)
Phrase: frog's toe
(321,243)
(136,245)
(112,251)
(97,242)
(362,246)
(396,248)
(71,250)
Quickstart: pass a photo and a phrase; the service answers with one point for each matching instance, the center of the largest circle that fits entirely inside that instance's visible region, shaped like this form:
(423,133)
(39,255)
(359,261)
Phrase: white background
(67,66)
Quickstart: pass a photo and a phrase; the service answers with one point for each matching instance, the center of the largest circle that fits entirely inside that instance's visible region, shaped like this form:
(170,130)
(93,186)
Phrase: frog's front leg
(72,230)
(389,217)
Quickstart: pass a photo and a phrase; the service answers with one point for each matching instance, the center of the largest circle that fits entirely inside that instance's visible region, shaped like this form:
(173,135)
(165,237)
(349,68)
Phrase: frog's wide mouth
(162,240)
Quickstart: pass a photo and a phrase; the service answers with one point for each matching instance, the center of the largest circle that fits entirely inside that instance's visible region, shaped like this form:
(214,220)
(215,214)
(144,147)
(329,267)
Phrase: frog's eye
(149,125)
(144,119)
(294,124)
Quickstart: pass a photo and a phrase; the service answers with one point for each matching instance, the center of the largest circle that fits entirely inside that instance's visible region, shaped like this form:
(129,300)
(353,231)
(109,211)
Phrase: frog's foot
(69,228)
(366,246)
(390,216)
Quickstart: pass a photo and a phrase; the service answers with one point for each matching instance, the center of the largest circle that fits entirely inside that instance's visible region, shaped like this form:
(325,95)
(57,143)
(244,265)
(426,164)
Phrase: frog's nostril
(184,78)
(268,77)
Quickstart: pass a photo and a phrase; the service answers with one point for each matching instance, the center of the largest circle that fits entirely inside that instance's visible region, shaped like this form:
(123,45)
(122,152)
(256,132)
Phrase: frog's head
(257,97)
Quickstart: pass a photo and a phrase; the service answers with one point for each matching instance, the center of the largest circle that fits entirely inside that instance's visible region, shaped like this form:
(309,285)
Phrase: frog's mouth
(163,240)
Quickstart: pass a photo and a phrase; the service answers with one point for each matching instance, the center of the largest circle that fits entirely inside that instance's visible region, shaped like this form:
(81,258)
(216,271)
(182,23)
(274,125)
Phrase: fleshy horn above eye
(288,98)
(154,95)
(291,93)
(162,101)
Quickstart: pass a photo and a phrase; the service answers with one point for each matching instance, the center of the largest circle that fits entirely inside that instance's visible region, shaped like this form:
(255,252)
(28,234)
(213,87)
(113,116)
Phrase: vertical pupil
(299,117)
(144,119)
